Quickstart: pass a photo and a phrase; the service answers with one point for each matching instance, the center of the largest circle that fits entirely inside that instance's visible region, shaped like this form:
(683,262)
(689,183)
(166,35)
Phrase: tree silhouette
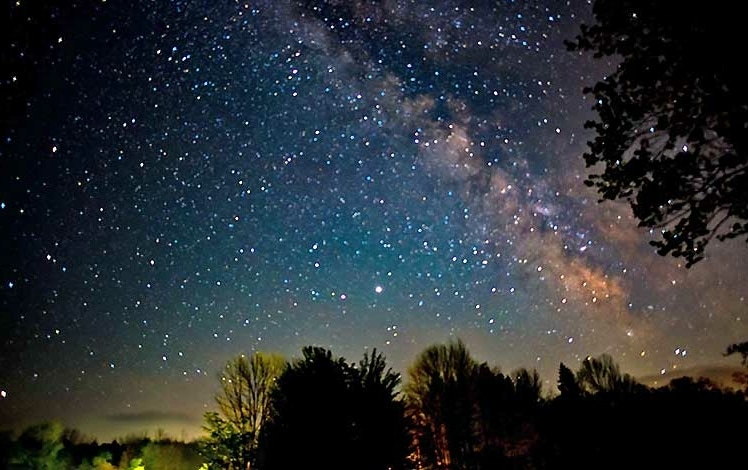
(329,414)
(567,383)
(602,375)
(599,420)
(440,401)
(507,411)
(527,387)
(336,415)
(493,396)
(379,415)
(244,404)
(671,128)
(466,415)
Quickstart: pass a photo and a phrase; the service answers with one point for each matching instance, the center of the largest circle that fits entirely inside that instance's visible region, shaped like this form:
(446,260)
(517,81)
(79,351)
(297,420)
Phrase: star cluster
(184,181)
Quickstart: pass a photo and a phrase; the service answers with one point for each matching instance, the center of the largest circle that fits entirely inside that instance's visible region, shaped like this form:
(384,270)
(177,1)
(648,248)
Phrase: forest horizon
(486,417)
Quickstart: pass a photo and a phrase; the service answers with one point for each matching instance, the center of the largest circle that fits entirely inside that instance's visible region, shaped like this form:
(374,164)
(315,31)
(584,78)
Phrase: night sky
(184,181)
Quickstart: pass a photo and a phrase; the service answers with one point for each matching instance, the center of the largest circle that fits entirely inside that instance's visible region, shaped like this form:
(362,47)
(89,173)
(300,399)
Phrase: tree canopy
(335,415)
(244,403)
(466,415)
(602,375)
(441,405)
(672,126)
(458,414)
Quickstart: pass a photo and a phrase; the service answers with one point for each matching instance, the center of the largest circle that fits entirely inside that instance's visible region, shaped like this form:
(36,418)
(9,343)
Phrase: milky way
(185,181)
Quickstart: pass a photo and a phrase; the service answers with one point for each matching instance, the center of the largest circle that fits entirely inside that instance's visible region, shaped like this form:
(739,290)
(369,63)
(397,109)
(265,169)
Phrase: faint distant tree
(40,447)
(602,375)
(671,135)
(333,415)
(441,406)
(244,406)
(739,348)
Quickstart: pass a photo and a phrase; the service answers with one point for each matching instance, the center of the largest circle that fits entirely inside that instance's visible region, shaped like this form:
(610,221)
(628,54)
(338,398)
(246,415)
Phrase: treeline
(452,413)
(51,446)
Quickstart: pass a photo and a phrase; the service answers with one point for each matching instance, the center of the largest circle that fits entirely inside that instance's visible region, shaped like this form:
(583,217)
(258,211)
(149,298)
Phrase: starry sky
(184,181)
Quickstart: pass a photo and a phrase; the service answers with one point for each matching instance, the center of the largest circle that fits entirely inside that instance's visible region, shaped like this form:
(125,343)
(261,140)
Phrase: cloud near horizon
(151,416)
